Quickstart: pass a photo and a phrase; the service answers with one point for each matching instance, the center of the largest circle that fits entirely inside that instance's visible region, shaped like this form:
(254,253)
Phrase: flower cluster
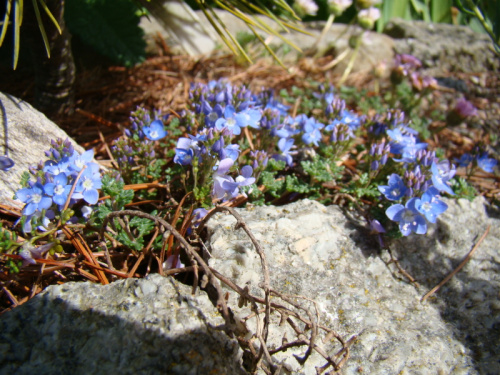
(224,112)
(61,182)
(417,191)
(136,148)
(408,66)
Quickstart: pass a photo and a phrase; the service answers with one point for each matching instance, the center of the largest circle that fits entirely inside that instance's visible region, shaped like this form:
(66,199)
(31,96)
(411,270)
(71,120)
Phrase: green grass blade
(227,42)
(257,23)
(422,9)
(391,9)
(47,10)
(441,11)
(267,47)
(6,20)
(42,28)
(233,39)
(18,19)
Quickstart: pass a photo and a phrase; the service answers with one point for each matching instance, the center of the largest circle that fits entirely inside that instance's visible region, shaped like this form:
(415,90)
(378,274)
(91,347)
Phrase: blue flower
(58,189)
(351,119)
(87,185)
(54,168)
(464,160)
(396,188)
(245,178)
(430,206)
(35,199)
(155,130)
(408,217)
(249,117)
(401,141)
(224,187)
(6,163)
(441,173)
(77,161)
(231,121)
(485,163)
(285,146)
(312,132)
(188,148)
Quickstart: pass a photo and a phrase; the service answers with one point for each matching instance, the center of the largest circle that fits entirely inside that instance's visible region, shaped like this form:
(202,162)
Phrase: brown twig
(460,266)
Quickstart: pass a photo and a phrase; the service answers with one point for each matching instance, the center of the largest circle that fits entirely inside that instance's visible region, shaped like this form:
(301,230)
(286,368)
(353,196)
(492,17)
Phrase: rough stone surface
(29,136)
(375,48)
(148,326)
(442,47)
(315,252)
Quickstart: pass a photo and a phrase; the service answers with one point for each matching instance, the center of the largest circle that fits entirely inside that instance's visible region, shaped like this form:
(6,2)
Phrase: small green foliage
(25,177)
(295,185)
(463,189)
(321,170)
(114,188)
(8,240)
(273,186)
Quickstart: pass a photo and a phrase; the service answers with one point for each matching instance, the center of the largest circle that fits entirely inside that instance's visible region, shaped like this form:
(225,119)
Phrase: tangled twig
(302,320)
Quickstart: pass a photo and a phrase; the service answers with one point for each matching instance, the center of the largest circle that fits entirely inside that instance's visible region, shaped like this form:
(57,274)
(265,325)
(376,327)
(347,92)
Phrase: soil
(106,94)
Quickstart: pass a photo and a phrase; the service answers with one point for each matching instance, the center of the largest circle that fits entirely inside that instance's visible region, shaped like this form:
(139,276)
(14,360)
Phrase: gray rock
(147,326)
(444,48)
(315,252)
(29,136)
(375,48)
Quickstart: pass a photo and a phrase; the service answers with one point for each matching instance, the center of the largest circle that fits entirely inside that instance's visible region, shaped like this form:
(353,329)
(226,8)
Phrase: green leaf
(441,11)
(272,185)
(144,226)
(109,26)
(293,184)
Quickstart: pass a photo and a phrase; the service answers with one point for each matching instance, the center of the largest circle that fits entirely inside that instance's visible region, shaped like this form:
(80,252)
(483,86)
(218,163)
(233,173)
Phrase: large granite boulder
(375,47)
(29,133)
(148,326)
(442,47)
(153,326)
(314,251)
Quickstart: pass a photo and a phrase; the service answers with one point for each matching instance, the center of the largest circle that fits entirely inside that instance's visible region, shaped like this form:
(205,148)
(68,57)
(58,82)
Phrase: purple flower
(396,188)
(199,214)
(211,114)
(441,173)
(245,178)
(155,130)
(29,253)
(376,227)
(464,108)
(408,217)
(485,163)
(430,206)
(6,163)
(224,187)
(35,199)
